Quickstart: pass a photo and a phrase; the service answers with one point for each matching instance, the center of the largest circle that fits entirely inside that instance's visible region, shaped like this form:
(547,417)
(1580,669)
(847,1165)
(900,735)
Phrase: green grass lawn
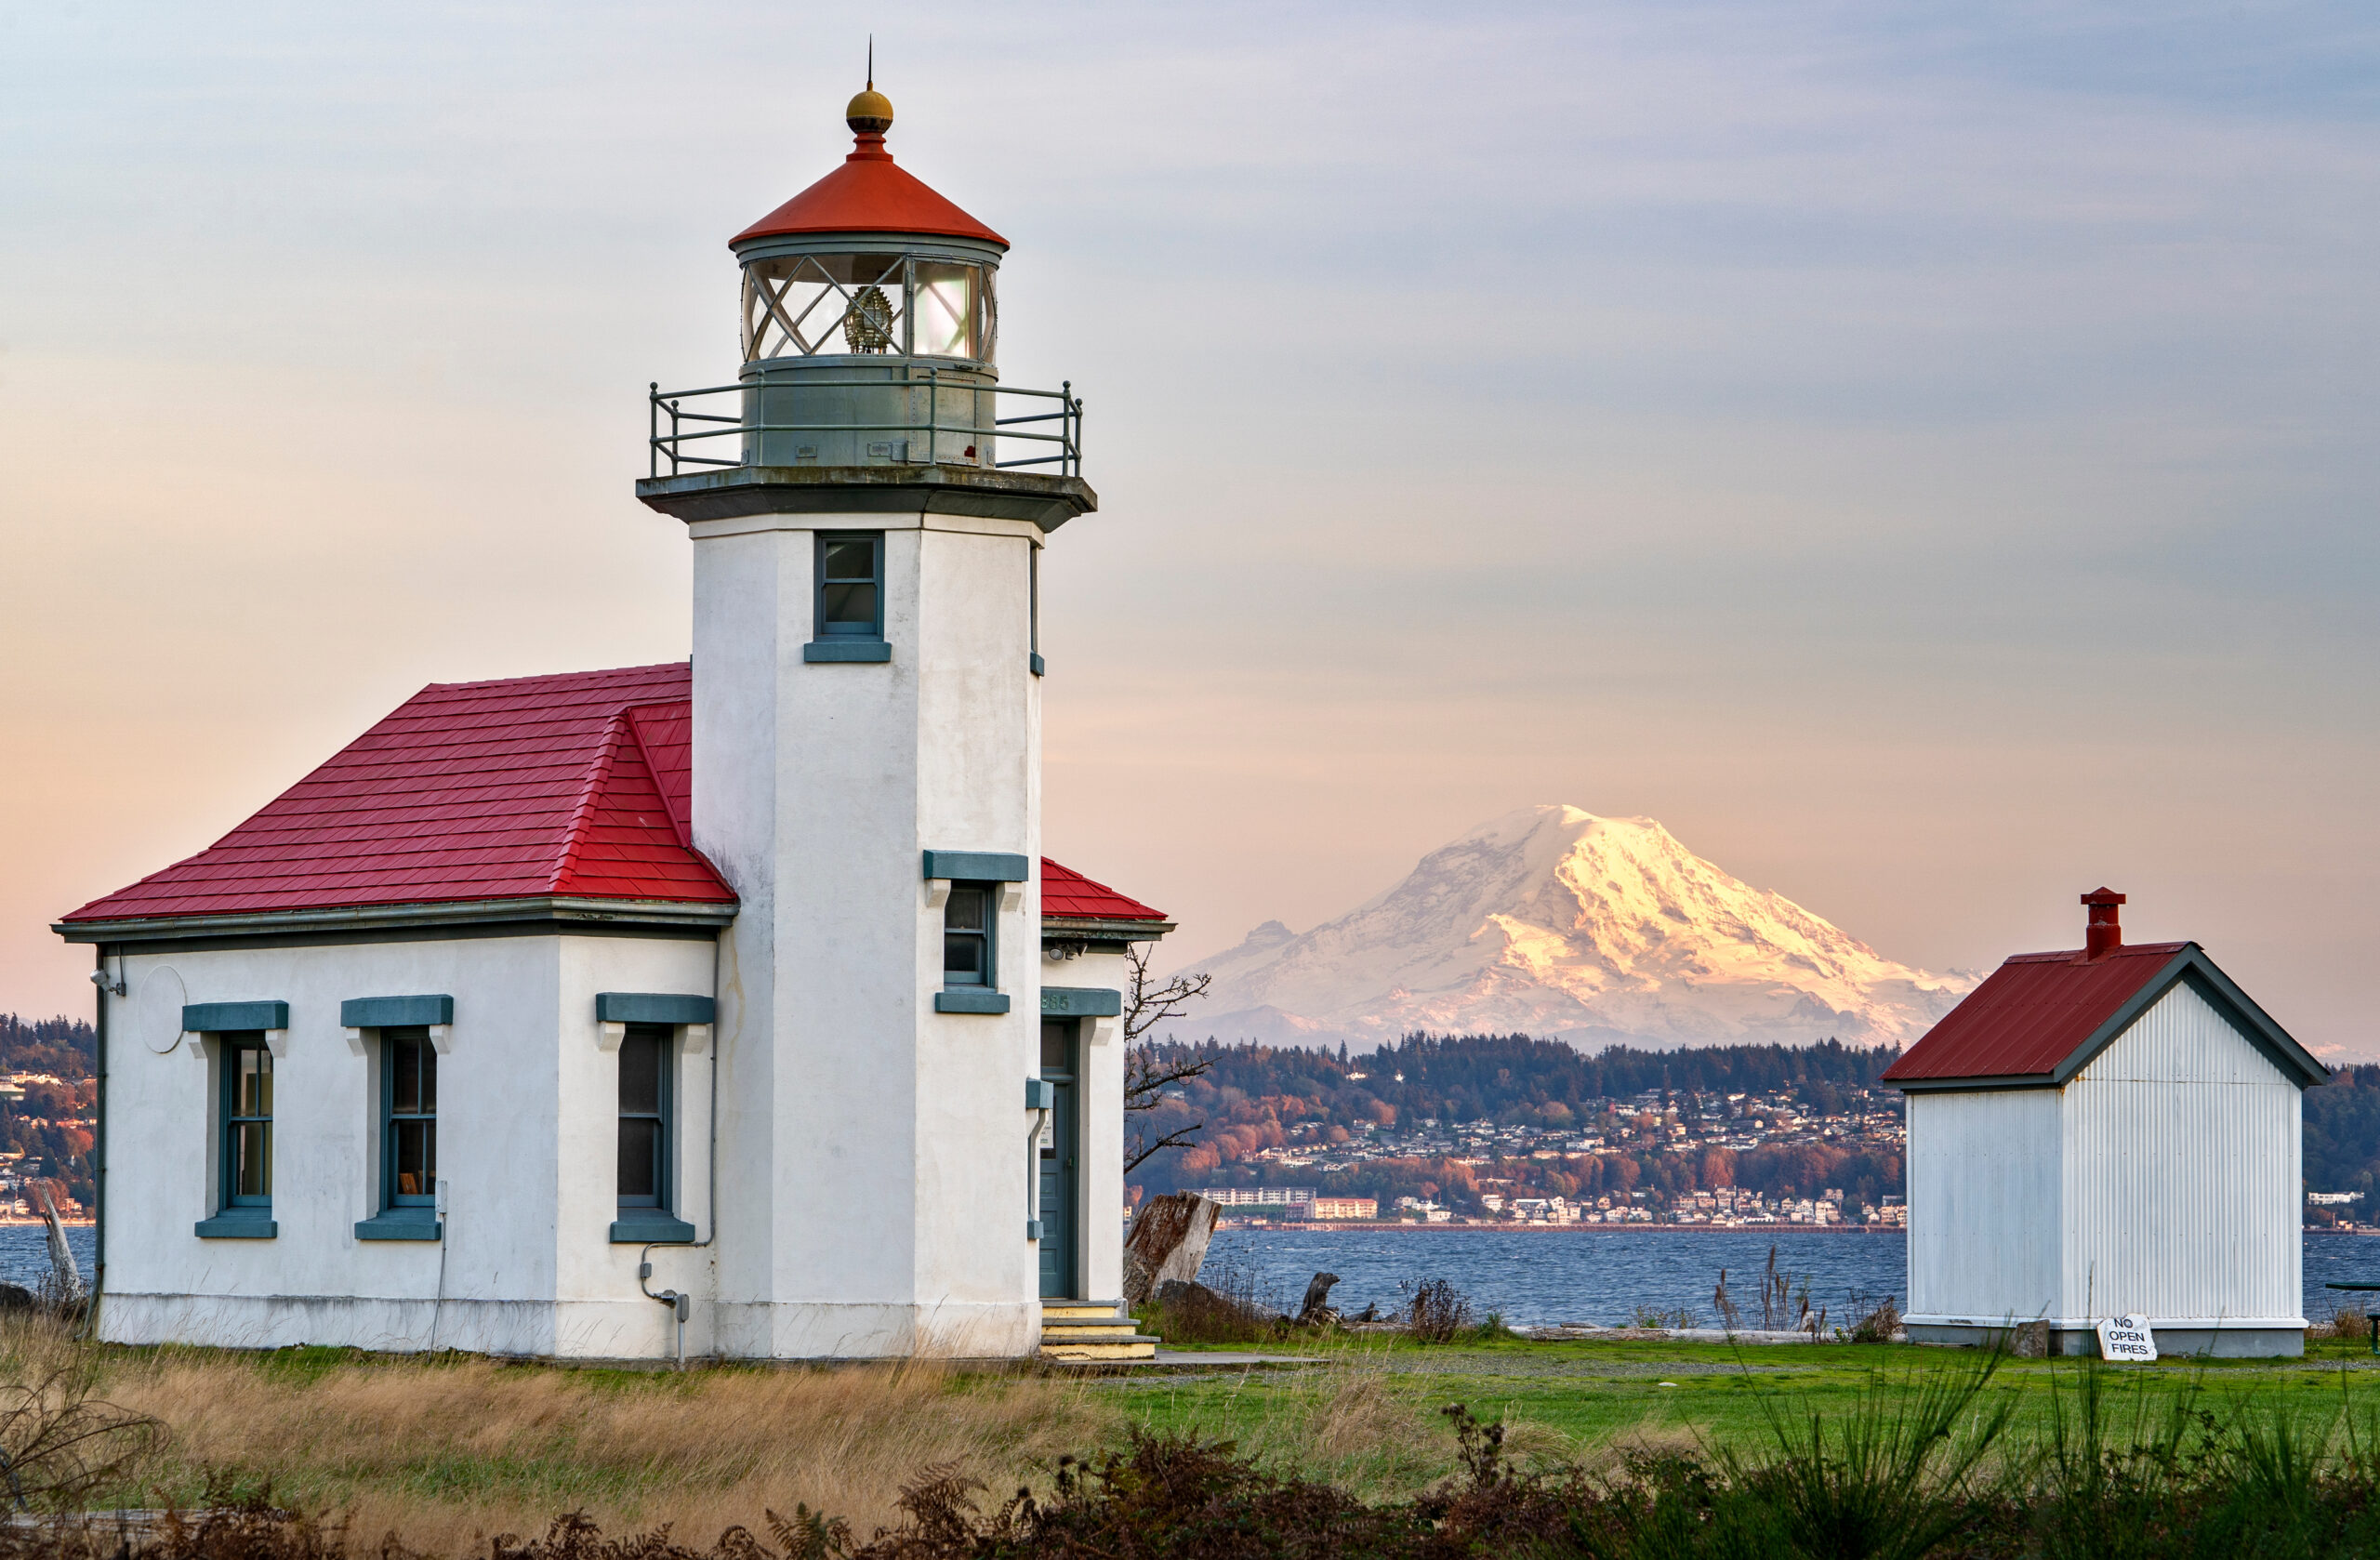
(1576,1399)
(442,1450)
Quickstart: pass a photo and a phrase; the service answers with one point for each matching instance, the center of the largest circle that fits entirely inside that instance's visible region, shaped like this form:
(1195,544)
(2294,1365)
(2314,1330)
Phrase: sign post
(2127,1338)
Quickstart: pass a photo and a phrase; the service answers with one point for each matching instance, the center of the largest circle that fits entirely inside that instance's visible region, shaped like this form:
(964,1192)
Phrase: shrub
(1653,1316)
(1877,1324)
(1227,1311)
(1438,1312)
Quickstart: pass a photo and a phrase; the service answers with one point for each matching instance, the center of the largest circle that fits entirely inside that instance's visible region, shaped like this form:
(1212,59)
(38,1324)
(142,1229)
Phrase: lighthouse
(866,505)
(692,1009)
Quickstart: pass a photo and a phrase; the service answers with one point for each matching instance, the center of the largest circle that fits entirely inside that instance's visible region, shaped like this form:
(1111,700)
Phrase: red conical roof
(869,194)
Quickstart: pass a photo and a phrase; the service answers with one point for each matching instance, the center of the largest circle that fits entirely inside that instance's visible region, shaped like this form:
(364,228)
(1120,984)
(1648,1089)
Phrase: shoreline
(1351,1226)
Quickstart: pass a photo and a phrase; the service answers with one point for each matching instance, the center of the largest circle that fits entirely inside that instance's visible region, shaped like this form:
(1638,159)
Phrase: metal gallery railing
(671,428)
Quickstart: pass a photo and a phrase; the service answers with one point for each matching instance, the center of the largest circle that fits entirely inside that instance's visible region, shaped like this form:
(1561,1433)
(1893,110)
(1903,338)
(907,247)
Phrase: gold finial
(871,113)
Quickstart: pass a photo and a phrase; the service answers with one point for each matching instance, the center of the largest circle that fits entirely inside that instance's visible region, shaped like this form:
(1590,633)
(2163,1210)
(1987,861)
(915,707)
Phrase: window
(645,1117)
(851,586)
(409,1088)
(967,955)
(247,1122)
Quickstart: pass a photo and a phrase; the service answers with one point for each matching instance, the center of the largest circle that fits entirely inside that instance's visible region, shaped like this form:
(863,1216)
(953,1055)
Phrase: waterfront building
(2112,1130)
(1345,1208)
(725,1007)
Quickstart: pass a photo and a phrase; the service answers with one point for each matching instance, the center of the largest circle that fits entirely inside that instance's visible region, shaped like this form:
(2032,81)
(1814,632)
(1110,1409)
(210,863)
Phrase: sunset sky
(1925,455)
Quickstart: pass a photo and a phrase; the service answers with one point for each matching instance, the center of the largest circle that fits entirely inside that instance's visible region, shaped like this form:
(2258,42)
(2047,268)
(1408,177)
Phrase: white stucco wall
(876,1145)
(527,1112)
(1100,1216)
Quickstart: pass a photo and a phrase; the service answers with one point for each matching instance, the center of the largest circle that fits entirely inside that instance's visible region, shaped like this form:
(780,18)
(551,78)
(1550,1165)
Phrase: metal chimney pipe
(2104,934)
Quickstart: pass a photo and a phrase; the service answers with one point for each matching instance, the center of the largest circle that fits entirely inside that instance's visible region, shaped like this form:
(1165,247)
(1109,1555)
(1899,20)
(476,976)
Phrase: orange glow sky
(1928,464)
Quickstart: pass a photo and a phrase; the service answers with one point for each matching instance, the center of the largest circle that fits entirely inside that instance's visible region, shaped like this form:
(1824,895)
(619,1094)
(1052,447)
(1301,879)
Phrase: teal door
(1061,1170)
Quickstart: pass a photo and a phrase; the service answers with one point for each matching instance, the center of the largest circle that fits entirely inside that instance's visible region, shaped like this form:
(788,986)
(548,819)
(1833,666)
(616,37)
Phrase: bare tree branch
(1151,1002)
(1148,1075)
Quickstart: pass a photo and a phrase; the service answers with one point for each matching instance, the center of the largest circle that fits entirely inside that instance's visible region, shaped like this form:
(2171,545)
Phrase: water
(1540,1278)
(24,1253)
(1536,1278)
(1532,1278)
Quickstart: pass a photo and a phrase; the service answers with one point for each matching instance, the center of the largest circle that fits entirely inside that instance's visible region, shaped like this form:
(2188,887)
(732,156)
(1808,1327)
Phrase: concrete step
(1083,1311)
(1069,1332)
(1128,1348)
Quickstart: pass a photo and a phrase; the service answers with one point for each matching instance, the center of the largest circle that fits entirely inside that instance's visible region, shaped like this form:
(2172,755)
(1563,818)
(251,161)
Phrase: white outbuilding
(721,1007)
(2108,1131)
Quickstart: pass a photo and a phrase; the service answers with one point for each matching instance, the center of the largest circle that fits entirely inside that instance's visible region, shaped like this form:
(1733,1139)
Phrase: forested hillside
(1449,1118)
(2343,1137)
(61,1046)
(1454,1119)
(52,1126)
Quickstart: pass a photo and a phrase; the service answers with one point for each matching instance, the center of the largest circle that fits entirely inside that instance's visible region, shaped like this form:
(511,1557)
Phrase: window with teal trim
(645,1117)
(851,586)
(409,1140)
(967,950)
(247,1121)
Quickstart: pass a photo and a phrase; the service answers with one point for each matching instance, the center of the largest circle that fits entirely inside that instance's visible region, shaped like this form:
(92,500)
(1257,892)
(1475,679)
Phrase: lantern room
(870,325)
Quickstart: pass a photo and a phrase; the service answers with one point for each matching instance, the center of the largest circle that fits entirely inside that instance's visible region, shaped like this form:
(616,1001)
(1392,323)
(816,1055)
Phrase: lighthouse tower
(867,504)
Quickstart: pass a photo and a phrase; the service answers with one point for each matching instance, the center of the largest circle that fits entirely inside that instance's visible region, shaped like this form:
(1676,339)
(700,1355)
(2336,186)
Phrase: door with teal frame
(1061,1165)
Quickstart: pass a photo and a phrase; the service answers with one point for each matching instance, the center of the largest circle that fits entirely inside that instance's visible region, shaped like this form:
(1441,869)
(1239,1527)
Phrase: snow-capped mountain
(1557,922)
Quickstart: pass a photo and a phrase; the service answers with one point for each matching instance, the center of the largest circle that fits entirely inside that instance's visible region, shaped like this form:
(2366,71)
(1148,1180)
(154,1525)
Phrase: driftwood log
(1167,1243)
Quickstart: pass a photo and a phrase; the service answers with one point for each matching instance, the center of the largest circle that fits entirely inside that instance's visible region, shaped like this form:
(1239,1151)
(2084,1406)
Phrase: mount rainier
(1554,921)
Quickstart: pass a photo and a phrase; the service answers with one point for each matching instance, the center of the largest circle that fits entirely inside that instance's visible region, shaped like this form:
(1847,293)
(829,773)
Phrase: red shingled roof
(2032,1013)
(577,785)
(1068,895)
(531,786)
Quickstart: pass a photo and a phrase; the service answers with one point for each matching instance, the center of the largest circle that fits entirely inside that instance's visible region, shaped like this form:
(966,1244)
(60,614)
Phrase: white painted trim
(695,1037)
(277,1042)
(2080,1324)
(609,1036)
(441,1039)
(1012,896)
(937,892)
(906,520)
(1103,1030)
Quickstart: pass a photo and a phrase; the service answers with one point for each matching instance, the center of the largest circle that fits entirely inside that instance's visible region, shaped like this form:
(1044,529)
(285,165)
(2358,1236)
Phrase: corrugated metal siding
(2181,1173)
(1982,1205)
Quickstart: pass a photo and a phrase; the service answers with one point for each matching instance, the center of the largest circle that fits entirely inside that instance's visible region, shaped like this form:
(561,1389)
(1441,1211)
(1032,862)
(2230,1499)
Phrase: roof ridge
(683,826)
(554,677)
(590,793)
(2051,956)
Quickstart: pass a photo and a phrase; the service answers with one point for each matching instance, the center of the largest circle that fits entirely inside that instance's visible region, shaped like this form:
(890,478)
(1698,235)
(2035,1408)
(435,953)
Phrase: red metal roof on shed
(576,786)
(869,193)
(2032,1013)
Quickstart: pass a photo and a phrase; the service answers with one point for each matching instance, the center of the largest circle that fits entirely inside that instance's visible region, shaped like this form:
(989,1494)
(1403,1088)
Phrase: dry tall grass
(443,1453)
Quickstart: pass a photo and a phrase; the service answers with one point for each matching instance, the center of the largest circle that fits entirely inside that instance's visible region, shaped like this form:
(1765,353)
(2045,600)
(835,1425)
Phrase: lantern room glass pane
(943,312)
(802,305)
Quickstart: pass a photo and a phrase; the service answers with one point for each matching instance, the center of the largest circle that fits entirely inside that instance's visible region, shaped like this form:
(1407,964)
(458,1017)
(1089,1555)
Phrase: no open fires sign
(2127,1338)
